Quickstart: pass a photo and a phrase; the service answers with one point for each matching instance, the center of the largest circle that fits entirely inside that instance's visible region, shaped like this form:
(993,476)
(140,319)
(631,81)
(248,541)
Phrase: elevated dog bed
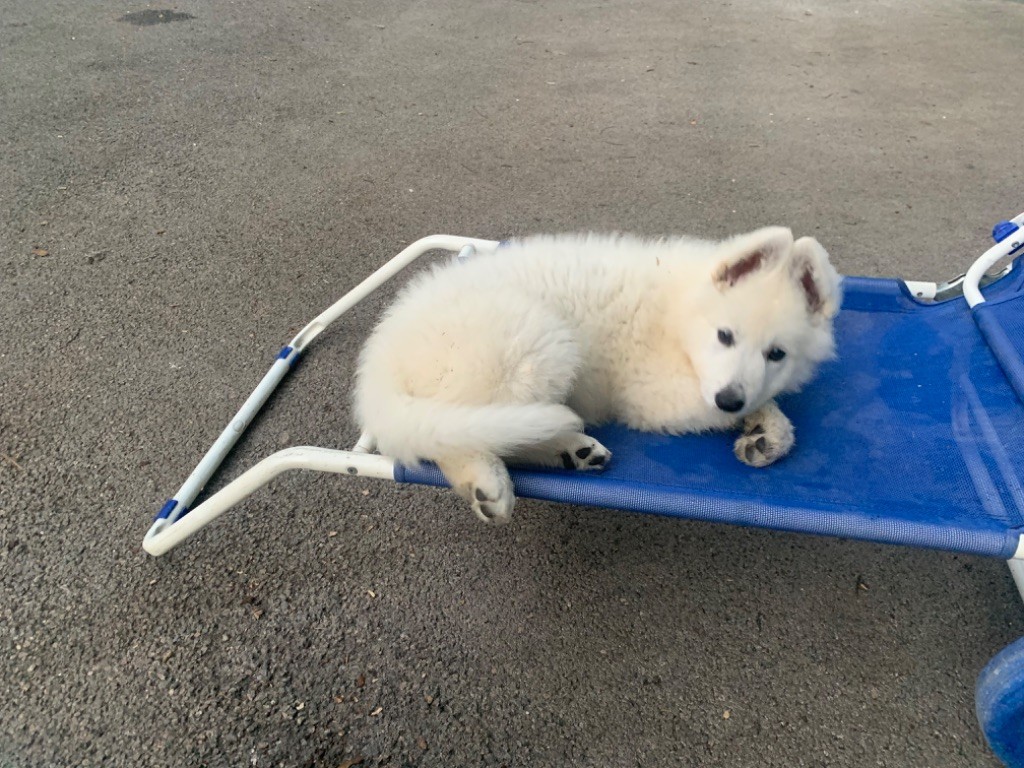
(914,436)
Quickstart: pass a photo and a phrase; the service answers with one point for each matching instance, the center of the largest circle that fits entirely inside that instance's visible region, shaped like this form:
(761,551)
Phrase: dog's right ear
(747,254)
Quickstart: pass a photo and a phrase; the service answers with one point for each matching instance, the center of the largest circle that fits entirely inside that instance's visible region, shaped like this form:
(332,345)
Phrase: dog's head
(763,321)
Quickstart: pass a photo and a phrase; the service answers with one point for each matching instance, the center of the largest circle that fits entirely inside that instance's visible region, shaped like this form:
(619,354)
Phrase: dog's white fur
(506,355)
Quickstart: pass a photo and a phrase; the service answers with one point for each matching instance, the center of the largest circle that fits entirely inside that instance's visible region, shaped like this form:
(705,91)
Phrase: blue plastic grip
(166,509)
(1003,230)
(285,352)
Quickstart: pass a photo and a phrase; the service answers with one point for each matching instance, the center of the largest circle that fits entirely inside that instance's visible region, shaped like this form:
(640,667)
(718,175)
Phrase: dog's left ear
(746,255)
(817,278)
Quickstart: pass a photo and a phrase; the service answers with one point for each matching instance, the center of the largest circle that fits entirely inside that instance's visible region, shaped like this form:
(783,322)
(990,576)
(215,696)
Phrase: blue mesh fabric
(913,436)
(1002,324)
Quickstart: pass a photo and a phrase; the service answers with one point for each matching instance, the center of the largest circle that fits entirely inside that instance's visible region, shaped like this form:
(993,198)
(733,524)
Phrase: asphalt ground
(183,187)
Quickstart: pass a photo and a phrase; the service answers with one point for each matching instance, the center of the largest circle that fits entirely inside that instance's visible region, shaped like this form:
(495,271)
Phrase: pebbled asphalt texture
(182,187)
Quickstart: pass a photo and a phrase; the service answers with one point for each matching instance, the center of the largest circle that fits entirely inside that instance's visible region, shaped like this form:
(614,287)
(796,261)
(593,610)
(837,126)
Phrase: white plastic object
(365,444)
(299,457)
(1017,570)
(923,291)
(173,525)
(381,276)
(1016,564)
(1001,250)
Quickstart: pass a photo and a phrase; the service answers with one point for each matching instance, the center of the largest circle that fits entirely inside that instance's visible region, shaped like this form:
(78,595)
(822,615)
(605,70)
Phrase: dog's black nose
(729,400)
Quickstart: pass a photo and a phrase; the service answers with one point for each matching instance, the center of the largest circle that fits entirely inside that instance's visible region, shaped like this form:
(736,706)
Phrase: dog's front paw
(759,447)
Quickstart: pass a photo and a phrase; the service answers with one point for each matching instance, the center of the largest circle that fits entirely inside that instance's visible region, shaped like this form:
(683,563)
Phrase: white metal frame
(173,525)
(1017,567)
(999,251)
(952,288)
(972,283)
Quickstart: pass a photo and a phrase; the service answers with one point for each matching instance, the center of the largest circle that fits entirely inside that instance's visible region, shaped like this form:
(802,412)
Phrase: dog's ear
(747,254)
(817,278)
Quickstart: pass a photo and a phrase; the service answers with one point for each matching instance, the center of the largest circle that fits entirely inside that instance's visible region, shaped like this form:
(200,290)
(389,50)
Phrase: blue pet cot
(914,436)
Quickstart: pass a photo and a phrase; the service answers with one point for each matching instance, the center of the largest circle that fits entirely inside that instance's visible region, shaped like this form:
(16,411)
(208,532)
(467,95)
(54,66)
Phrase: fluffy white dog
(506,355)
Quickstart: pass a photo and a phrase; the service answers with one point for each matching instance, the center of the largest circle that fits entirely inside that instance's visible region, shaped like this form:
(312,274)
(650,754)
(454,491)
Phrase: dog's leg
(767,436)
(483,481)
(571,450)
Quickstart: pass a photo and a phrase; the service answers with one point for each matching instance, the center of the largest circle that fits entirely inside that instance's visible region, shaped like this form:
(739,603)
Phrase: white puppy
(506,355)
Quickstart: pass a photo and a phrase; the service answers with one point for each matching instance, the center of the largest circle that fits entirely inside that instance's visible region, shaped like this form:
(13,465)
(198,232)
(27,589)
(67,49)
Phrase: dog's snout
(729,400)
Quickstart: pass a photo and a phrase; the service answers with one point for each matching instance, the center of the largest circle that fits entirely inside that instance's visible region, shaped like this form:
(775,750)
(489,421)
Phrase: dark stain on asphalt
(150,17)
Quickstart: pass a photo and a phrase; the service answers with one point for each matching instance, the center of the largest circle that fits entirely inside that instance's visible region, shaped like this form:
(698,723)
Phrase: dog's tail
(413,428)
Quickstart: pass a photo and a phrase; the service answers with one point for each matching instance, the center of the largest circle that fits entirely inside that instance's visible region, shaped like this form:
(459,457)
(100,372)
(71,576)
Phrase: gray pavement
(179,192)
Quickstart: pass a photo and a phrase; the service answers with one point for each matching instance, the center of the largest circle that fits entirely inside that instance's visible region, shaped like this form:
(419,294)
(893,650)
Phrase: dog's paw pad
(750,454)
(758,450)
(493,504)
(585,454)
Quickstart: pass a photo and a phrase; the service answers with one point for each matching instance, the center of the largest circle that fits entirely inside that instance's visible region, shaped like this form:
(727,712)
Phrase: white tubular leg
(201,475)
(172,525)
(1017,569)
(382,275)
(365,444)
(1000,250)
(301,457)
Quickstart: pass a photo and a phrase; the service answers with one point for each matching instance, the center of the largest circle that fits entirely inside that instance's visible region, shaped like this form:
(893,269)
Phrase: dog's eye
(725,336)
(775,354)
